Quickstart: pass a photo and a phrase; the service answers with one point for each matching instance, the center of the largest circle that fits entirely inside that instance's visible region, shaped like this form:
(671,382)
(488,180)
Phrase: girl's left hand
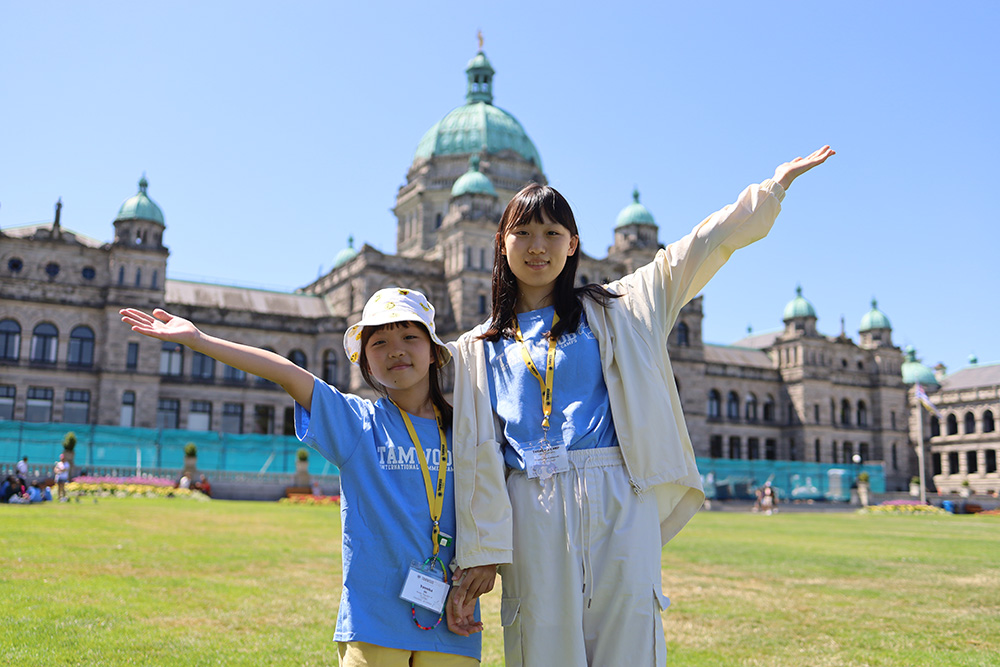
(461,618)
(789,171)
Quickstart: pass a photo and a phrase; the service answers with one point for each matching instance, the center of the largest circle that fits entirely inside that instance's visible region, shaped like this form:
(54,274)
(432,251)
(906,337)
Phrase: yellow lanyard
(550,369)
(435,500)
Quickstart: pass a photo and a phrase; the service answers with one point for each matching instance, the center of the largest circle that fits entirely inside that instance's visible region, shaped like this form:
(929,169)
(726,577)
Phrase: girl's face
(536,252)
(399,356)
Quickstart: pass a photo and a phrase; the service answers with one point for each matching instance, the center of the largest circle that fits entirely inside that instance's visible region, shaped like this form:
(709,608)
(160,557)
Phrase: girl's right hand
(161,325)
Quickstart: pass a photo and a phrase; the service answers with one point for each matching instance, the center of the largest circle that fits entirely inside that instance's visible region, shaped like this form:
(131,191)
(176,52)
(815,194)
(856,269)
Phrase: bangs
(538,202)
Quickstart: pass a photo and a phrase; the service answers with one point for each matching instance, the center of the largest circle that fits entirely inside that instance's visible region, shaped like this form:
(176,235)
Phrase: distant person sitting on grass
(394,456)
(203,485)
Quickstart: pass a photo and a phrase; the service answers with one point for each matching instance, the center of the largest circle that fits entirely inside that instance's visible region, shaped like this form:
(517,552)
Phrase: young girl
(397,495)
(573,463)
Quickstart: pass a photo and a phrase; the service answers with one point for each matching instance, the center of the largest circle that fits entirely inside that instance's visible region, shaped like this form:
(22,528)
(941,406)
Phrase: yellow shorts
(360,654)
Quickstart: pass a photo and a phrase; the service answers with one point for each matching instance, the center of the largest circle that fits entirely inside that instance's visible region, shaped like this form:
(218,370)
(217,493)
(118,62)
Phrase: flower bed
(306,499)
(902,507)
(129,487)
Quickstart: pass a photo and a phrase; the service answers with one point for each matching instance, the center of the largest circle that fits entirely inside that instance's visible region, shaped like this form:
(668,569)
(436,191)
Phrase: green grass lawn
(177,582)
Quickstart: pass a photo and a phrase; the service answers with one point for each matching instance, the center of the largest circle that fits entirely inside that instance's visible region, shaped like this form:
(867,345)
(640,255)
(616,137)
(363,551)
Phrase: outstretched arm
(789,171)
(297,381)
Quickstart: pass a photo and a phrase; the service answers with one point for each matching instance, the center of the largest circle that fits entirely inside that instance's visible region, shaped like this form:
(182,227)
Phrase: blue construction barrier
(726,479)
(104,446)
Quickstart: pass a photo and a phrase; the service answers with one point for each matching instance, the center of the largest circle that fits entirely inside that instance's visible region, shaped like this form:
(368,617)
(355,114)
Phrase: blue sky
(269,132)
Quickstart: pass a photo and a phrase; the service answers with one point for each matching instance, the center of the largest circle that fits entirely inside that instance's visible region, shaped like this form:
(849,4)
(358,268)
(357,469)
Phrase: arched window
(330,367)
(121,275)
(988,424)
(156,279)
(751,408)
(769,409)
(714,406)
(833,411)
(138,278)
(81,347)
(935,426)
(682,334)
(862,414)
(297,357)
(952,425)
(733,406)
(10,340)
(845,412)
(970,422)
(43,344)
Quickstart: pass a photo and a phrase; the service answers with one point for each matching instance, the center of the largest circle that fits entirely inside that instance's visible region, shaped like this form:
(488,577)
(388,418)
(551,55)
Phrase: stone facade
(963,442)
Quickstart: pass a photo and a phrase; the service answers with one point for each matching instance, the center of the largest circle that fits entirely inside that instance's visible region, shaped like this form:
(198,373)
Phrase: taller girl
(573,464)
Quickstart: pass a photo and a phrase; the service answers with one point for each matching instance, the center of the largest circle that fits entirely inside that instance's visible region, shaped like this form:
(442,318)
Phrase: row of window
(733,407)
(750,412)
(76,410)
(44,343)
(199,417)
(15,265)
(837,452)
(38,406)
(971,462)
(951,424)
(203,367)
(45,339)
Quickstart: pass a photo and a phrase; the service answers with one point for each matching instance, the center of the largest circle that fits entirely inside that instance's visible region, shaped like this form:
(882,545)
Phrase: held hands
(789,171)
(461,604)
(461,618)
(161,325)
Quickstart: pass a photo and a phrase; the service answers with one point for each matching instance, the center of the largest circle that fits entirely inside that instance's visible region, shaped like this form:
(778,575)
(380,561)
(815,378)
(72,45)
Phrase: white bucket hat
(394,304)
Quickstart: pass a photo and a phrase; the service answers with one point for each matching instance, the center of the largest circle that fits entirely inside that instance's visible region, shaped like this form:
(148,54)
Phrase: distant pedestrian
(22,469)
(61,472)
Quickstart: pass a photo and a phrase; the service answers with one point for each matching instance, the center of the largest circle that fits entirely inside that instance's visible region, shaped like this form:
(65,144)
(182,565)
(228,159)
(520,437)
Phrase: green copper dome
(798,307)
(478,125)
(914,371)
(347,254)
(473,181)
(140,207)
(635,213)
(874,319)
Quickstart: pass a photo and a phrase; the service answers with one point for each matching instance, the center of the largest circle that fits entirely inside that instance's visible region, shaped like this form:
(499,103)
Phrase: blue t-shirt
(581,411)
(385,517)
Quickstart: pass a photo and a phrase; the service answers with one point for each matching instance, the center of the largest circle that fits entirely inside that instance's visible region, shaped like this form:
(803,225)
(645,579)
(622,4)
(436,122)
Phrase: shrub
(69,441)
(302,454)
(190,449)
(863,477)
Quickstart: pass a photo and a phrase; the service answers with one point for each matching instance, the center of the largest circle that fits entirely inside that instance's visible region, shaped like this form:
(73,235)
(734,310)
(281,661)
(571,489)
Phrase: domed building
(793,394)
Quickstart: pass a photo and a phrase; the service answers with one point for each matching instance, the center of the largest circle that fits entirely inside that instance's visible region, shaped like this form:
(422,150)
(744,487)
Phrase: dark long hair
(529,204)
(434,372)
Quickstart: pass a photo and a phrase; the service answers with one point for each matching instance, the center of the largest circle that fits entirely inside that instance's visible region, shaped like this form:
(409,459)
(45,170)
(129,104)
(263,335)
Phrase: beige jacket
(632,334)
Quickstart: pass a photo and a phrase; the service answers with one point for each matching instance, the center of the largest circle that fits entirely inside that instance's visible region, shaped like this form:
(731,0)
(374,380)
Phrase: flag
(925,401)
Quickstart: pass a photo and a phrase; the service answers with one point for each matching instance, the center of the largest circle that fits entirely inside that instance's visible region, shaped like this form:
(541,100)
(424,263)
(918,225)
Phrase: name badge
(547,459)
(424,588)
